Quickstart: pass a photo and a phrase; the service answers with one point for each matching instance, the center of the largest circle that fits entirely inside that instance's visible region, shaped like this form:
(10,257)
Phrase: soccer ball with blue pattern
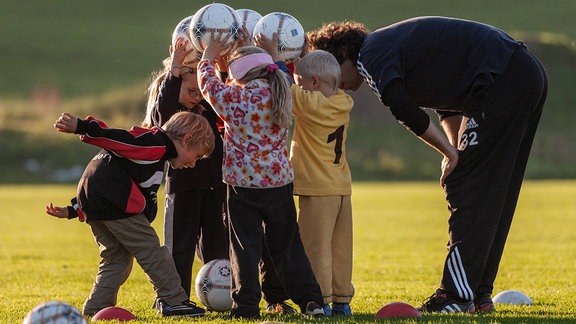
(291,37)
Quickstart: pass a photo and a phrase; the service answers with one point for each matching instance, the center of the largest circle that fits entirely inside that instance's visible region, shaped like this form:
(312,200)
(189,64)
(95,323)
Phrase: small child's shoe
(313,309)
(327,310)
(341,309)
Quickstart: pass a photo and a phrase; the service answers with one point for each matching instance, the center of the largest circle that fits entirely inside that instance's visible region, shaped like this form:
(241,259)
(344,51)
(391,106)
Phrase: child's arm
(66,123)
(270,45)
(60,212)
(138,143)
(213,89)
(68,212)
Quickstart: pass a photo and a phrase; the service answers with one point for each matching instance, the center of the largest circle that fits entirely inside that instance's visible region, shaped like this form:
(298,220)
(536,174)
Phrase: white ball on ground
(213,284)
(54,312)
(512,297)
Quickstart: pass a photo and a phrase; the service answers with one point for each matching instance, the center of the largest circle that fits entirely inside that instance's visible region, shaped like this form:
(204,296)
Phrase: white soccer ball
(249,18)
(214,18)
(54,312)
(291,37)
(183,30)
(512,297)
(213,283)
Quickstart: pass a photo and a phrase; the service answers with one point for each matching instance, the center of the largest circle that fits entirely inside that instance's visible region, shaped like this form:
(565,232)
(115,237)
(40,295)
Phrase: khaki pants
(120,241)
(325,224)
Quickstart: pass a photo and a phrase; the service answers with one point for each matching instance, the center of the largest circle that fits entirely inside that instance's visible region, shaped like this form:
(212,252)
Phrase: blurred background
(96,57)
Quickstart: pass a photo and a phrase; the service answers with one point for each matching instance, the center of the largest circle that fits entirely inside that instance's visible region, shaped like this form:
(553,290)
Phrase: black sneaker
(185,308)
(155,304)
(484,304)
(279,309)
(313,309)
(439,302)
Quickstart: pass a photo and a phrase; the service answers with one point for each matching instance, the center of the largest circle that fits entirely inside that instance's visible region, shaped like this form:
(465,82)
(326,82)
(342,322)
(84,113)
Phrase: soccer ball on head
(214,18)
(249,18)
(183,30)
(213,283)
(290,33)
(54,312)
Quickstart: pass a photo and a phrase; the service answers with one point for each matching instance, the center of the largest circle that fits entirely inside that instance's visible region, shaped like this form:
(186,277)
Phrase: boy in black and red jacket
(117,196)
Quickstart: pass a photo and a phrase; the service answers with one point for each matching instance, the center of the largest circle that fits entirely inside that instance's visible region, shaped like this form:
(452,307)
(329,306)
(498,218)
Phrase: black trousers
(198,224)
(273,291)
(270,215)
(482,192)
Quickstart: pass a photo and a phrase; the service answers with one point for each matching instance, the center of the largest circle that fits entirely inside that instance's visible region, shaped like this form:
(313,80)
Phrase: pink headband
(238,69)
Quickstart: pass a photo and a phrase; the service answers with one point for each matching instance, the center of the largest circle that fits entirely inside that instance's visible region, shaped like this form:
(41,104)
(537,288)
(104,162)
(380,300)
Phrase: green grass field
(400,235)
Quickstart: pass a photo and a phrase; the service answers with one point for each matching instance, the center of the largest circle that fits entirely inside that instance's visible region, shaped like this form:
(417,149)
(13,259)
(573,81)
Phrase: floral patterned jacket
(255,150)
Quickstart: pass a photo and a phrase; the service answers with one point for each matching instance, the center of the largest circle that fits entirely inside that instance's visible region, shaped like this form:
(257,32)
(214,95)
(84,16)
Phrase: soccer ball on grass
(213,283)
(54,312)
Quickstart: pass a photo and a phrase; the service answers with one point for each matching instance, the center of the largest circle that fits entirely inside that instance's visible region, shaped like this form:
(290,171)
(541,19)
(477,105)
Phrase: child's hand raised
(67,123)
(270,45)
(178,51)
(218,43)
(243,38)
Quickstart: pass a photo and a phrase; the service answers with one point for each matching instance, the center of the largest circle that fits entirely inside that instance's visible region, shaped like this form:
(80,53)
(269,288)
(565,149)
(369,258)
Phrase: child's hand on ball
(217,44)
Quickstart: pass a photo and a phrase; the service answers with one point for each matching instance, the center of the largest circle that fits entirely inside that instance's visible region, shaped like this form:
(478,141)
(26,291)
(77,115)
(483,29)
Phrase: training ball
(183,30)
(54,312)
(213,284)
(249,19)
(113,313)
(397,309)
(290,32)
(512,297)
(214,18)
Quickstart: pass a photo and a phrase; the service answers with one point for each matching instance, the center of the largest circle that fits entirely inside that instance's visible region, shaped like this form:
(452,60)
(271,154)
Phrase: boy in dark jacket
(117,198)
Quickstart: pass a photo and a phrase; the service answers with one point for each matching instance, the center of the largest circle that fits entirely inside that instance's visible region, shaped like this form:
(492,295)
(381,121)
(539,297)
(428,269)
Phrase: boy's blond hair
(185,122)
(321,64)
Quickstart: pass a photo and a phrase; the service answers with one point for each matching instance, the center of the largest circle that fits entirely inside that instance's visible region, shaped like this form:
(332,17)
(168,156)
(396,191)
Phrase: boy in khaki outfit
(322,179)
(117,198)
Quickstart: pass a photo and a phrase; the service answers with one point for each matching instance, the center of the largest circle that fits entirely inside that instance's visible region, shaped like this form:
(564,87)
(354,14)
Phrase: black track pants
(482,192)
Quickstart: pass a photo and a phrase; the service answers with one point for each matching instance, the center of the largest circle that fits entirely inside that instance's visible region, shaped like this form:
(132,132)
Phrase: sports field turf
(400,235)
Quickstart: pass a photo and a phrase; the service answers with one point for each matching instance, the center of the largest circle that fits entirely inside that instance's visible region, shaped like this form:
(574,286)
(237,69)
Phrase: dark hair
(342,39)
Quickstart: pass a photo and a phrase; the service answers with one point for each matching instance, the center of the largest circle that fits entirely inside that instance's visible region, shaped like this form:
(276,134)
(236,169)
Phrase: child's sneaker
(439,302)
(341,309)
(185,308)
(327,310)
(279,309)
(313,309)
(484,304)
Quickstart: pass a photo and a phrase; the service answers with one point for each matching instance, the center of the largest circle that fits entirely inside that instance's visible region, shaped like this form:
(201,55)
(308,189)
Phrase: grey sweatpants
(119,242)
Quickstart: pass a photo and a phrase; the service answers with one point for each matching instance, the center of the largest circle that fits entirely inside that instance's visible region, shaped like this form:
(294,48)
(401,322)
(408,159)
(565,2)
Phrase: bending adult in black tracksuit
(488,91)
